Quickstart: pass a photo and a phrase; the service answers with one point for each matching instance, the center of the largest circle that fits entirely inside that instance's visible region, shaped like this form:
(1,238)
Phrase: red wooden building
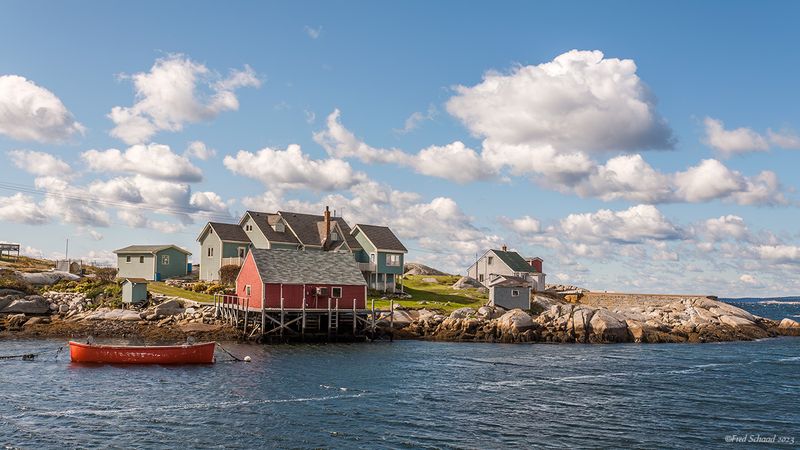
(301,278)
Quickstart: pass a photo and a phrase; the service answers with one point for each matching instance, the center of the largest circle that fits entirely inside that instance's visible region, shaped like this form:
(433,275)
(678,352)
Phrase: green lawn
(438,295)
(161,288)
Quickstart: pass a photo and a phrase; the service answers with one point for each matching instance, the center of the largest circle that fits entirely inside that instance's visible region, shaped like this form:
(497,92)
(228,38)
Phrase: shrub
(106,274)
(113,291)
(228,273)
(199,287)
(17,285)
(215,288)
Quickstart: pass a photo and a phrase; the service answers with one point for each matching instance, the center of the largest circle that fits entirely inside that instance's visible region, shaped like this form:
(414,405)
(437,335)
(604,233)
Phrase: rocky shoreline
(551,320)
(72,315)
(691,321)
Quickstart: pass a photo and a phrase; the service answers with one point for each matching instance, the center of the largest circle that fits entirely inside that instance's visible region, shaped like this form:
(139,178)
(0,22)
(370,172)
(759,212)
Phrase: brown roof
(308,230)
(136,280)
(382,237)
(265,221)
(229,232)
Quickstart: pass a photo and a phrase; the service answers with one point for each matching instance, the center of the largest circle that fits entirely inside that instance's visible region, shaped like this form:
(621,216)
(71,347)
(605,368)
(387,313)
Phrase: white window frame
(489,260)
(515,292)
(210,252)
(164,260)
(242,251)
(372,258)
(480,278)
(128,258)
(334,236)
(390,260)
(141,260)
(334,290)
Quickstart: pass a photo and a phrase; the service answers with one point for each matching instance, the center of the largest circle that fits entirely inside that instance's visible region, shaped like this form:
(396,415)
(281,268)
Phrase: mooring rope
(32,356)
(236,358)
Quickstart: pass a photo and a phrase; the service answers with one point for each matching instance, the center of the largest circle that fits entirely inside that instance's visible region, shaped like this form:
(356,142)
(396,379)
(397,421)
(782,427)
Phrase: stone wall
(618,299)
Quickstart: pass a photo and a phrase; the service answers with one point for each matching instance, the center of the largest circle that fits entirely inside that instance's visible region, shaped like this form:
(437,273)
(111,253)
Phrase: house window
(279,227)
(141,260)
(489,260)
(165,260)
(480,278)
(336,292)
(515,293)
(247,290)
(372,257)
(127,259)
(393,260)
(241,252)
(210,251)
(334,236)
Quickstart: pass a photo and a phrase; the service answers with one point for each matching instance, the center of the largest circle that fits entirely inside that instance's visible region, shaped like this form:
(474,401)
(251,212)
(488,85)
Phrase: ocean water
(410,394)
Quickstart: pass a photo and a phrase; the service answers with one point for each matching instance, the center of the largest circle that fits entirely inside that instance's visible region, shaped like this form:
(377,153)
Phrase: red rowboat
(202,353)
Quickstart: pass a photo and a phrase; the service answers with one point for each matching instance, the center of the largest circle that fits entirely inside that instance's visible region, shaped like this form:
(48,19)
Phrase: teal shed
(134,290)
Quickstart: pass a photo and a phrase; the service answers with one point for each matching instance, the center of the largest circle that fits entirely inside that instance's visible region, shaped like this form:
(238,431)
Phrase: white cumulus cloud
(153,160)
(580,101)
(293,169)
(177,91)
(29,112)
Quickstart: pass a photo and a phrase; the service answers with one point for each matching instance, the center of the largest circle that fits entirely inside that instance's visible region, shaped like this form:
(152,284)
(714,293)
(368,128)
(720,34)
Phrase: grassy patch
(436,294)
(161,288)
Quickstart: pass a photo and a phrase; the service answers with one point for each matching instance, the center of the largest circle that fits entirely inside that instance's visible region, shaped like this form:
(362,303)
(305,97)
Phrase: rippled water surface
(409,395)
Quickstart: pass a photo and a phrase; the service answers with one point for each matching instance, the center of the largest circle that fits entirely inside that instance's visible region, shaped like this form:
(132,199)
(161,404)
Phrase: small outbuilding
(134,290)
(510,292)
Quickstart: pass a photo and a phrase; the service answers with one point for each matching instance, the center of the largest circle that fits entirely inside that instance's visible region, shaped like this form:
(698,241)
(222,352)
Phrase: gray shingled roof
(307,267)
(264,221)
(306,228)
(229,232)
(509,281)
(382,237)
(148,249)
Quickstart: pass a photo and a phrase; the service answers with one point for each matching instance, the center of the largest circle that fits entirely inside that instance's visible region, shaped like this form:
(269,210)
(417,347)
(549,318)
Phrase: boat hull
(118,354)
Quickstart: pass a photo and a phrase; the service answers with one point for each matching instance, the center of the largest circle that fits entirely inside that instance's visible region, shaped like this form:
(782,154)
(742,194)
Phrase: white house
(495,263)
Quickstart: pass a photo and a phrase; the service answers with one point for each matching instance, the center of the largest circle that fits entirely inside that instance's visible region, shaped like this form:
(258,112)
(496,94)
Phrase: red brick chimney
(327,216)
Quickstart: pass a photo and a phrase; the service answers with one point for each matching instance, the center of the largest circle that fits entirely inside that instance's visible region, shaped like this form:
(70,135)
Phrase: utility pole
(66,251)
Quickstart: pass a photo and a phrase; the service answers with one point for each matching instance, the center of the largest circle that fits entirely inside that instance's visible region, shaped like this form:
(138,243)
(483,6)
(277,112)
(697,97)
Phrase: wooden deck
(318,324)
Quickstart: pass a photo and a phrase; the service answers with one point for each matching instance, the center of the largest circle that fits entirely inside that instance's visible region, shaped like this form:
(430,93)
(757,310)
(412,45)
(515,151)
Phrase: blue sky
(718,78)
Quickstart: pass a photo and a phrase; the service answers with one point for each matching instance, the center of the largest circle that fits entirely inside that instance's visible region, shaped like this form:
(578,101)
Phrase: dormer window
(334,236)
(279,227)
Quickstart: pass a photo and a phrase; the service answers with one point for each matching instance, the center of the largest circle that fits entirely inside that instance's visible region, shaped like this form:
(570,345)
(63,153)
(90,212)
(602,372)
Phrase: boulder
(63,309)
(736,321)
(16,320)
(581,318)
(462,313)
(29,305)
(36,320)
(608,327)
(168,308)
(467,282)
(420,269)
(46,278)
(516,319)
(487,312)
(788,323)
(4,292)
